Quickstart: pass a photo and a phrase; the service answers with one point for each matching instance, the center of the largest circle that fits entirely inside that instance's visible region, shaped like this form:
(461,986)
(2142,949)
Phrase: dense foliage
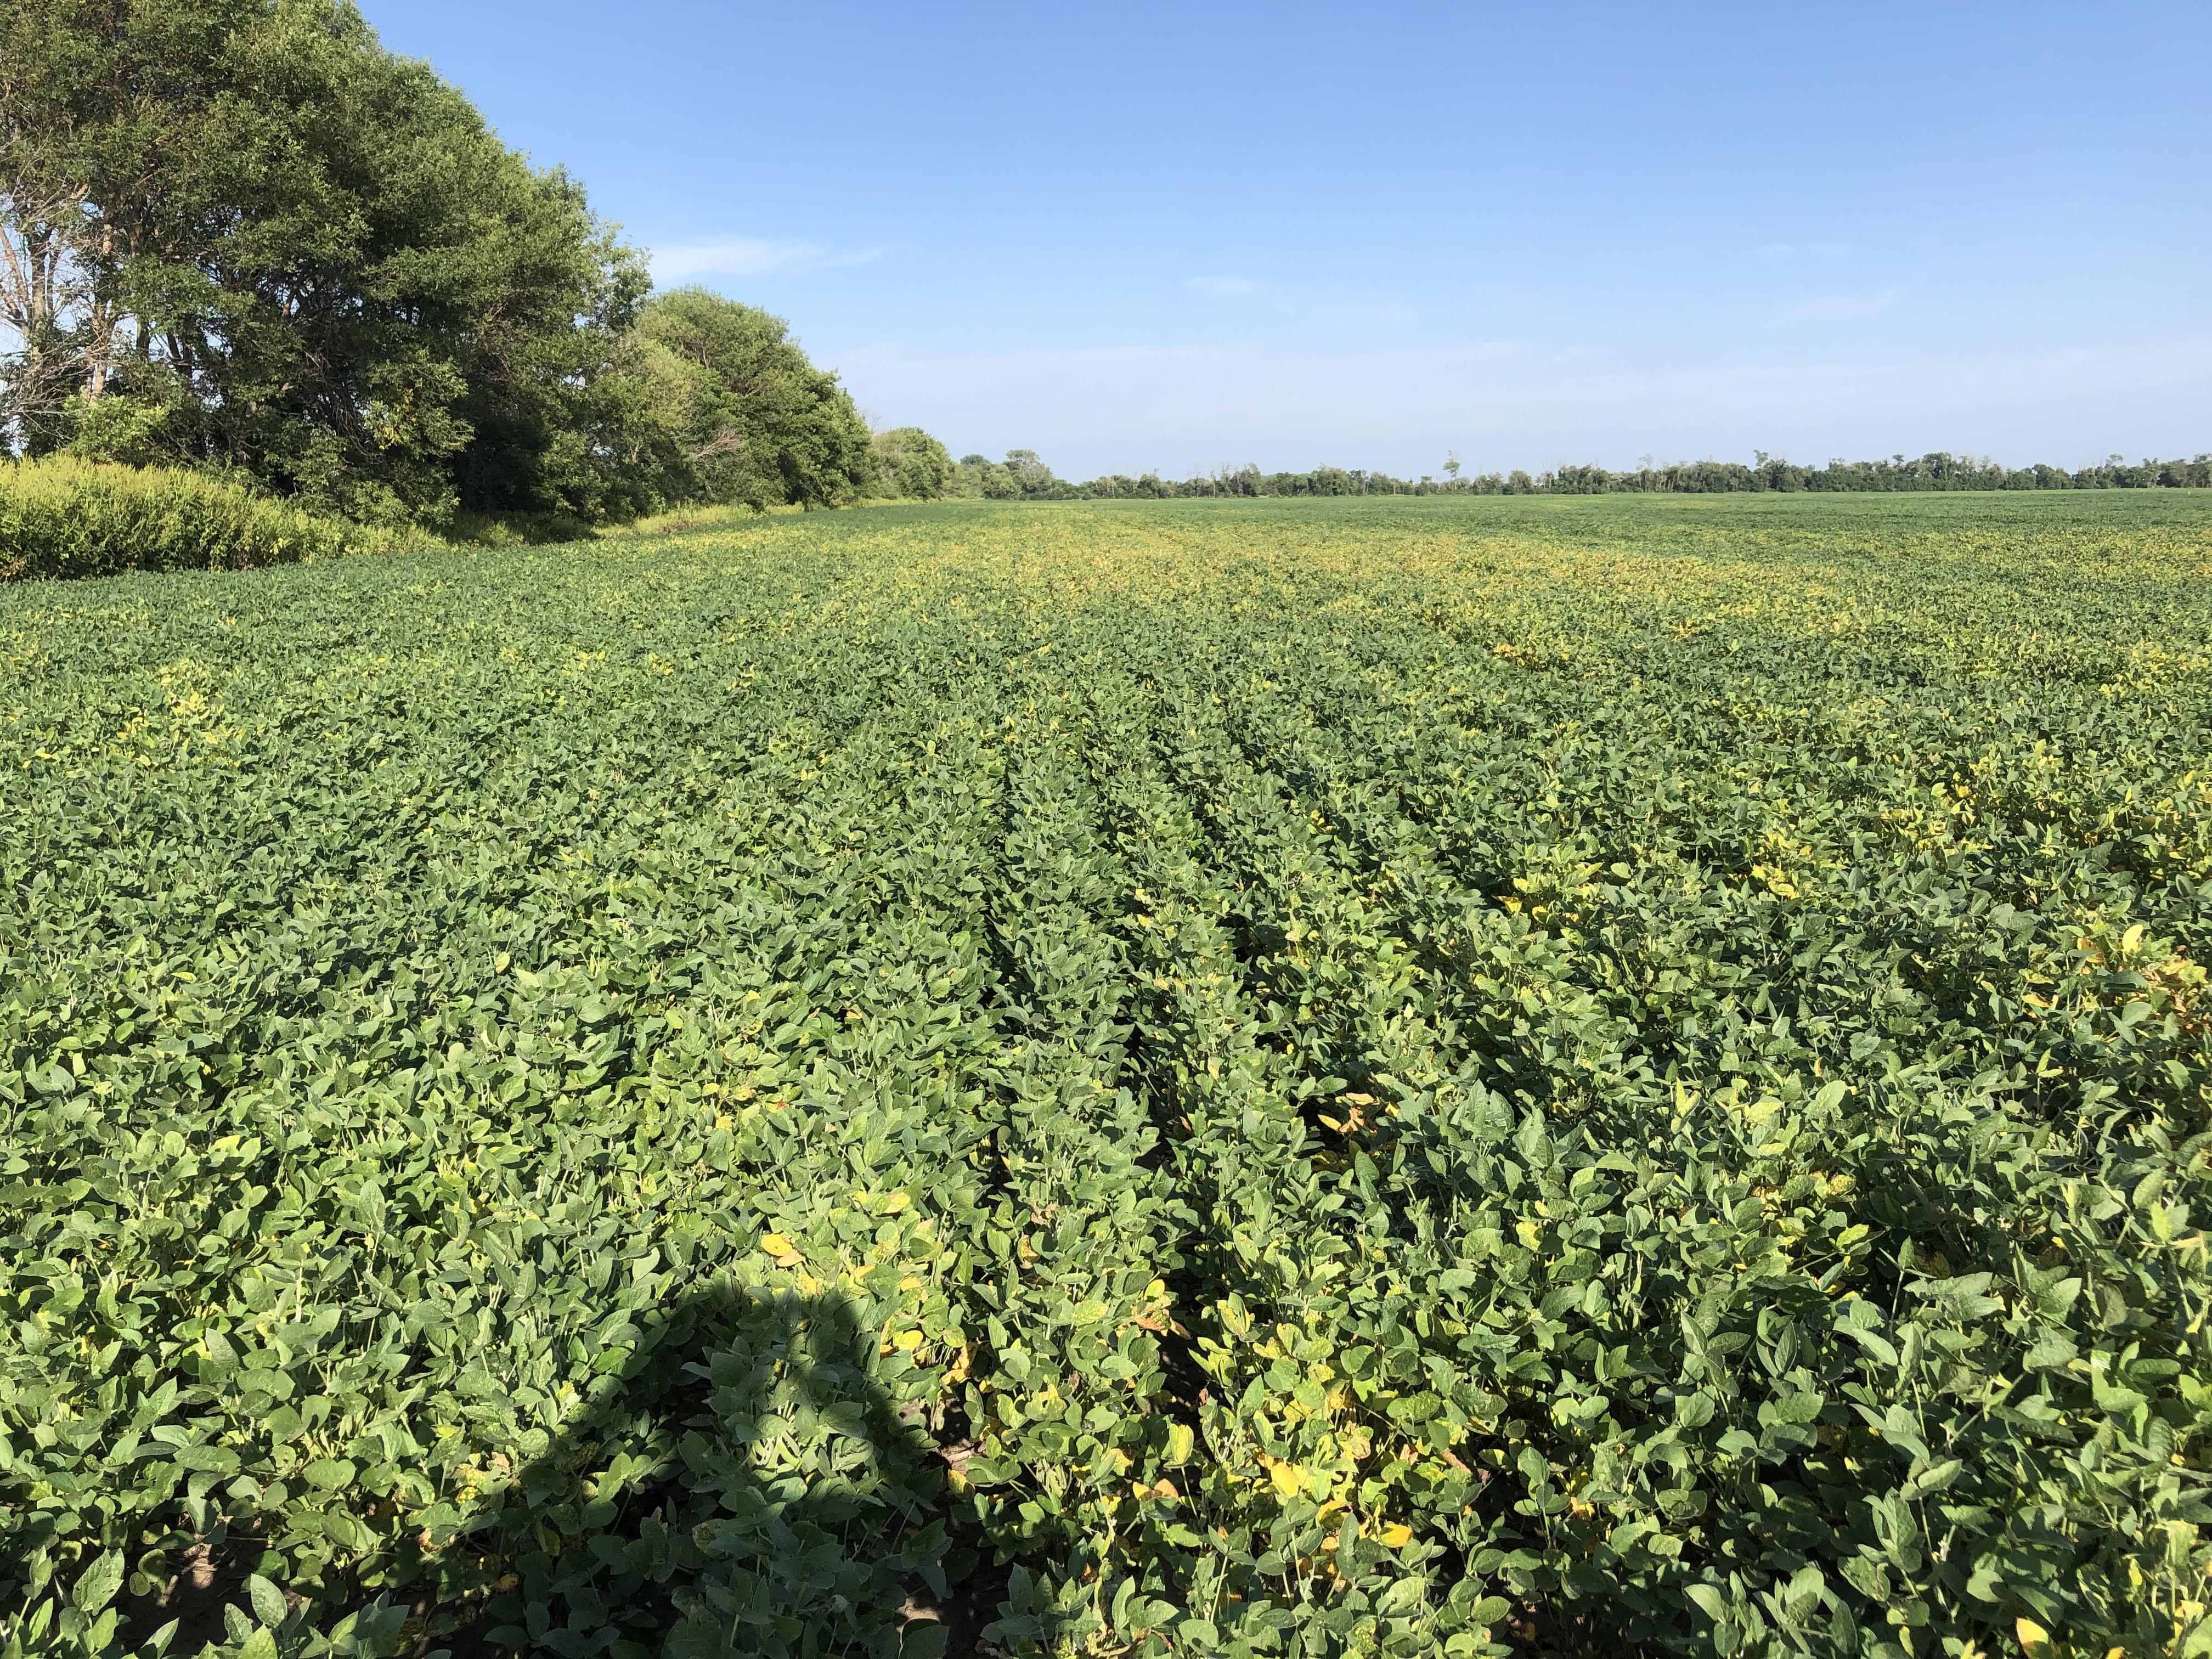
(61,517)
(724,408)
(1020,477)
(912,465)
(1359,1077)
(243,233)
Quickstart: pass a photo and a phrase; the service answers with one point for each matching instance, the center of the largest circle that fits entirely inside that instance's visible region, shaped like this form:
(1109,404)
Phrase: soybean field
(1462,1076)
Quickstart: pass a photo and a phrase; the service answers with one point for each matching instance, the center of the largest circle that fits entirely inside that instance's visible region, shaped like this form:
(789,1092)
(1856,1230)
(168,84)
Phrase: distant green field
(1465,1076)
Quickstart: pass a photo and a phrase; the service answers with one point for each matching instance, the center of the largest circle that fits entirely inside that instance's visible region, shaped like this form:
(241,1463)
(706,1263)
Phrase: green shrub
(62,517)
(467,529)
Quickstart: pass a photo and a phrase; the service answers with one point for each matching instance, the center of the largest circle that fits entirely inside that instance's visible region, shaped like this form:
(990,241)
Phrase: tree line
(1023,477)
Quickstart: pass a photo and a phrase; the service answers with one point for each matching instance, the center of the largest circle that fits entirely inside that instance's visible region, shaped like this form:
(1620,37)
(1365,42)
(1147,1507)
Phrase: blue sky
(1175,237)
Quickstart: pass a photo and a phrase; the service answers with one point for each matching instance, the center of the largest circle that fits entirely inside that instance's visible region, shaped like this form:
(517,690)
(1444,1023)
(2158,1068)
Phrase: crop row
(1351,1081)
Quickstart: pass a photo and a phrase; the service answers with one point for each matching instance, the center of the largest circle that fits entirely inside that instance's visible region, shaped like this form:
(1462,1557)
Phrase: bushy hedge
(60,517)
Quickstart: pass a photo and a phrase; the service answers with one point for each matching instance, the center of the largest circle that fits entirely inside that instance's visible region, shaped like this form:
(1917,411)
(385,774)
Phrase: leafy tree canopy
(1020,477)
(282,250)
(719,404)
(911,462)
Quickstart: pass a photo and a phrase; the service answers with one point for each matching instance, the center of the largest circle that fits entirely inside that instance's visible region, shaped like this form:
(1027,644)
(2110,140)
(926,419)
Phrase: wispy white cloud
(1844,307)
(749,257)
(1331,308)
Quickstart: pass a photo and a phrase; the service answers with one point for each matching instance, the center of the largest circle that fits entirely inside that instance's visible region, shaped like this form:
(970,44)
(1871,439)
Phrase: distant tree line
(1937,470)
(1023,477)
